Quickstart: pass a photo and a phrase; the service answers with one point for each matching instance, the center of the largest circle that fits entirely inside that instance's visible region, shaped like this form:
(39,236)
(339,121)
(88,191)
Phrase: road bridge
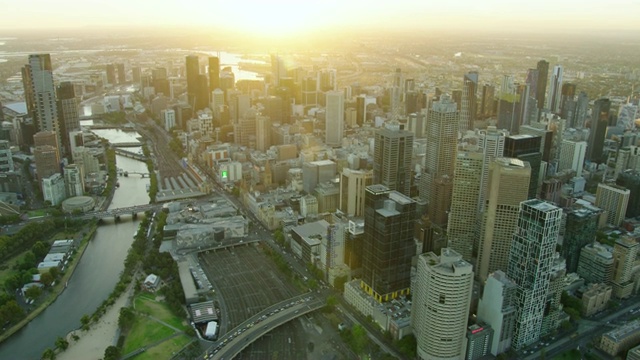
(133,210)
(130,154)
(231,344)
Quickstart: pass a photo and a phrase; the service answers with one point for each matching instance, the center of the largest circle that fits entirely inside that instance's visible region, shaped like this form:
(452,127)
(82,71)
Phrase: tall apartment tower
(263,133)
(498,309)
(441,300)
(40,93)
(392,151)
(613,199)
(508,187)
(334,118)
(580,227)
(491,141)
(214,73)
(530,265)
(582,106)
(543,75)
(353,184)
(625,252)
(68,113)
(630,179)
(572,155)
(193,74)
(462,225)
(599,123)
(555,90)
(388,244)
(469,101)
(74,180)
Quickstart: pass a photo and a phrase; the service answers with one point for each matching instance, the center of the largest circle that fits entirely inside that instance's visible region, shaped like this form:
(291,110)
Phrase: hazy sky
(286,16)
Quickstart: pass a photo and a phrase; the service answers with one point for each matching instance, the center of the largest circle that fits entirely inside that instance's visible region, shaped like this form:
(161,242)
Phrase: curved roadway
(232,343)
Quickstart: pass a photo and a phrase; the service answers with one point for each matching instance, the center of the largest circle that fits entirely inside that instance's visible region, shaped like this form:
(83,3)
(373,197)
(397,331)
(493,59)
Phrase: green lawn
(164,350)
(144,303)
(37,213)
(144,331)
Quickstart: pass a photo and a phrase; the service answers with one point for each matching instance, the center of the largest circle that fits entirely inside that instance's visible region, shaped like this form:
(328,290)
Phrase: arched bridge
(232,343)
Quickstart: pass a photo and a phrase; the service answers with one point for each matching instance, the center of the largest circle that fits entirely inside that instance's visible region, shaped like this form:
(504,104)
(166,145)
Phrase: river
(95,276)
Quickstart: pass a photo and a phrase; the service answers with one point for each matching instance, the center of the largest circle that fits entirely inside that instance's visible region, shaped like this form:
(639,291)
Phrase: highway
(587,330)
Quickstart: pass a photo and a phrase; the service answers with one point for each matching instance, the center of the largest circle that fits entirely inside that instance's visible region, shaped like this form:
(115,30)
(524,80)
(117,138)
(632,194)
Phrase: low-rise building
(595,299)
(621,339)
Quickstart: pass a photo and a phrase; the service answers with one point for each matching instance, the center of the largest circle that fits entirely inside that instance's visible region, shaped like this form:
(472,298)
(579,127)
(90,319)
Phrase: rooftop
(624,331)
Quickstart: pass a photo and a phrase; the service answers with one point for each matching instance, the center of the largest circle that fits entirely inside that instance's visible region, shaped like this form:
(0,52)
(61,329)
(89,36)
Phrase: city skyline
(283,17)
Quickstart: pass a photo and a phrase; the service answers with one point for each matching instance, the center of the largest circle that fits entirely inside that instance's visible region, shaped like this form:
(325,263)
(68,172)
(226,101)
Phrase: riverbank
(57,289)
(101,335)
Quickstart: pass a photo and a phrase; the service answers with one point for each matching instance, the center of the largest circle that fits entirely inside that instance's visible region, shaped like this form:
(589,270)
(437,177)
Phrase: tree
(126,318)
(54,272)
(49,354)
(339,282)
(46,279)
(85,320)
(33,292)
(358,338)
(112,353)
(40,249)
(62,343)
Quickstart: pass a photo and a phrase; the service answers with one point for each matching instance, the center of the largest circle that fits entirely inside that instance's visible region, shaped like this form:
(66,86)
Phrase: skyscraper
(122,74)
(462,225)
(555,90)
(68,113)
(543,75)
(388,244)
(582,105)
(613,199)
(353,184)
(568,95)
(630,179)
(498,309)
(393,148)
(599,123)
(508,187)
(202,94)
(334,118)
(487,108)
(530,265)
(214,73)
(193,72)
(111,74)
(469,101)
(440,308)
(572,155)
(625,252)
(527,149)
(40,93)
(580,230)
(442,134)
(491,141)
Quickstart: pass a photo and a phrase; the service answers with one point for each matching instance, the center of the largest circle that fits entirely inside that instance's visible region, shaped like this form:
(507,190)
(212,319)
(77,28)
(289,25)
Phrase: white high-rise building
(530,266)
(497,308)
(334,118)
(440,309)
(572,155)
(53,189)
(73,179)
(169,117)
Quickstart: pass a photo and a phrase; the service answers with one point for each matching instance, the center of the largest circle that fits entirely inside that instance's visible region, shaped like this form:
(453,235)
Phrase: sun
(267,18)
